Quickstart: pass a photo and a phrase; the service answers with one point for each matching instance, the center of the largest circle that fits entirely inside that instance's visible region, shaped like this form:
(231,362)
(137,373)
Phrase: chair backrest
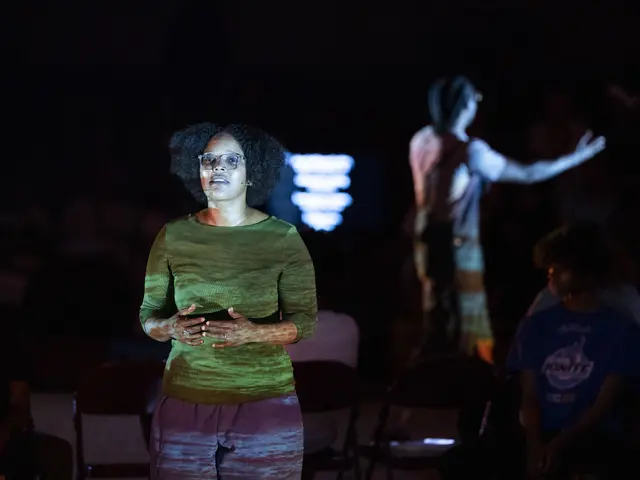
(324,386)
(120,388)
(444,383)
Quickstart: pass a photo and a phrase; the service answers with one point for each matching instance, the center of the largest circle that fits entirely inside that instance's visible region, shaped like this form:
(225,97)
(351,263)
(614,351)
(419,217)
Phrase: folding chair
(464,384)
(122,388)
(323,387)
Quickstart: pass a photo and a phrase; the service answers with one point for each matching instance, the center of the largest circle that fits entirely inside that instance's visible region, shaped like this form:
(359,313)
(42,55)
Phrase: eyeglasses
(230,160)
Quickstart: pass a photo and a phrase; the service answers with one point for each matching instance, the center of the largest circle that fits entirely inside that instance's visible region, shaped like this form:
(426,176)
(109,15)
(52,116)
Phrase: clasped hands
(225,333)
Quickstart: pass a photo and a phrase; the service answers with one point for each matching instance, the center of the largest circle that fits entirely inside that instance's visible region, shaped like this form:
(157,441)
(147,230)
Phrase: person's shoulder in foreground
(545,299)
(618,335)
(531,330)
(621,324)
(549,312)
(485,161)
(277,225)
(606,317)
(623,298)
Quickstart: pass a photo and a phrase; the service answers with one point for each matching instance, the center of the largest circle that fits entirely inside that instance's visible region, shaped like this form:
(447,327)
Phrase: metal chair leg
(377,441)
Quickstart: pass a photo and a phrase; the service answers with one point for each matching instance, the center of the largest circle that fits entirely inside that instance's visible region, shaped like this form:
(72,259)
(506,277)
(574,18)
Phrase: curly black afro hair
(265,157)
(582,248)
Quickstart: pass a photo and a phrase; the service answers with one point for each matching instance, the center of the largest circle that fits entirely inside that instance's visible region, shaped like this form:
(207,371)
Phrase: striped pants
(459,312)
(249,441)
(475,325)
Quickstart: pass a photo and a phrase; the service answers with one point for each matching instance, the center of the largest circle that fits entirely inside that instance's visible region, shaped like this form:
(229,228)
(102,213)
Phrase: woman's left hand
(238,331)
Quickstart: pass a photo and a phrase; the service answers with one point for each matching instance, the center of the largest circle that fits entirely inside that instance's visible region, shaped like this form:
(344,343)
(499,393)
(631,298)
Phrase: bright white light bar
(321,177)
(321,164)
(334,201)
(440,442)
(323,221)
(323,183)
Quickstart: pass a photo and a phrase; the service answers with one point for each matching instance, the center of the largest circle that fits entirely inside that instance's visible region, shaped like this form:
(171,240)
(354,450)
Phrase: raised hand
(589,147)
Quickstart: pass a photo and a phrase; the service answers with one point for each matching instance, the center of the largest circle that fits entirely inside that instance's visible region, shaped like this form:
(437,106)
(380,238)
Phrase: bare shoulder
(425,133)
(478,144)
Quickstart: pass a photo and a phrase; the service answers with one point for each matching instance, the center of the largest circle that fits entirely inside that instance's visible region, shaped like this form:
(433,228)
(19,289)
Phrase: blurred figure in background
(571,360)
(450,173)
(25,454)
(574,360)
(336,339)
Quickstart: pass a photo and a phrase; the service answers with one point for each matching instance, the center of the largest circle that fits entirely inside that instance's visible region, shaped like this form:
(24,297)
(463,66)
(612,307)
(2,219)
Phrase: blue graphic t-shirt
(572,353)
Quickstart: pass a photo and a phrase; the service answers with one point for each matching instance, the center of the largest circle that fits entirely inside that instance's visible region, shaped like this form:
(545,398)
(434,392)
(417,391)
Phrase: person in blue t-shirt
(573,361)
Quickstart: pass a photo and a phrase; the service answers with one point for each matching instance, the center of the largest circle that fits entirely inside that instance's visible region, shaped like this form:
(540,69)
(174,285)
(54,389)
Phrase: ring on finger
(185,332)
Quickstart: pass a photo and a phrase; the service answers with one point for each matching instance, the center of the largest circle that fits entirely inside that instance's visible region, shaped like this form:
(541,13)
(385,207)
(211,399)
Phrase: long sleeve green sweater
(258,270)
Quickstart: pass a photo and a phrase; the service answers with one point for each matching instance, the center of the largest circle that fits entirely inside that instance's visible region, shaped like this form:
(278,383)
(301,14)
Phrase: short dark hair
(265,158)
(447,98)
(581,248)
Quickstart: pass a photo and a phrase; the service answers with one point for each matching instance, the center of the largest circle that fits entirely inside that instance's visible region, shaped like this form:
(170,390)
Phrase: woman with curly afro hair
(242,284)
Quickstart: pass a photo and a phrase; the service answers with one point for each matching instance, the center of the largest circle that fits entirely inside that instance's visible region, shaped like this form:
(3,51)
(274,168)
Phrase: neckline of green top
(193,218)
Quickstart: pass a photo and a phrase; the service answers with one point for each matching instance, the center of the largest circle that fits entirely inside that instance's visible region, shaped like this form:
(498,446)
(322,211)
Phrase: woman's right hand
(184,329)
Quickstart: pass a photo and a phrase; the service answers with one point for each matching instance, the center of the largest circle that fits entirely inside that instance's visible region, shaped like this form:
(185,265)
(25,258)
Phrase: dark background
(93,90)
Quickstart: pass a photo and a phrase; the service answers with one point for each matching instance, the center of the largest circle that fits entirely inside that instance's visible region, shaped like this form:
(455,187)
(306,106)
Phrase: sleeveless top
(451,190)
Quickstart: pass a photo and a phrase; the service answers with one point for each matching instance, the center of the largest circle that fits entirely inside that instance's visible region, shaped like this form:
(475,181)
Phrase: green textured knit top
(258,270)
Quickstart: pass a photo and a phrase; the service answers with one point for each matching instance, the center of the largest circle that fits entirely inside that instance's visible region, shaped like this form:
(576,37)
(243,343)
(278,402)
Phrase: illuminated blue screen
(326,192)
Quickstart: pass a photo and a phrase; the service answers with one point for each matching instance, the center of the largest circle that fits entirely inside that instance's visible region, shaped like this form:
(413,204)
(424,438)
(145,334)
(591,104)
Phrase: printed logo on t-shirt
(567,367)
(574,328)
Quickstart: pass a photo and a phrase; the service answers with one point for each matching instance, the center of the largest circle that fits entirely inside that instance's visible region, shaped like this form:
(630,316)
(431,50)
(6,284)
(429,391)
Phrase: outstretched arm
(498,168)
